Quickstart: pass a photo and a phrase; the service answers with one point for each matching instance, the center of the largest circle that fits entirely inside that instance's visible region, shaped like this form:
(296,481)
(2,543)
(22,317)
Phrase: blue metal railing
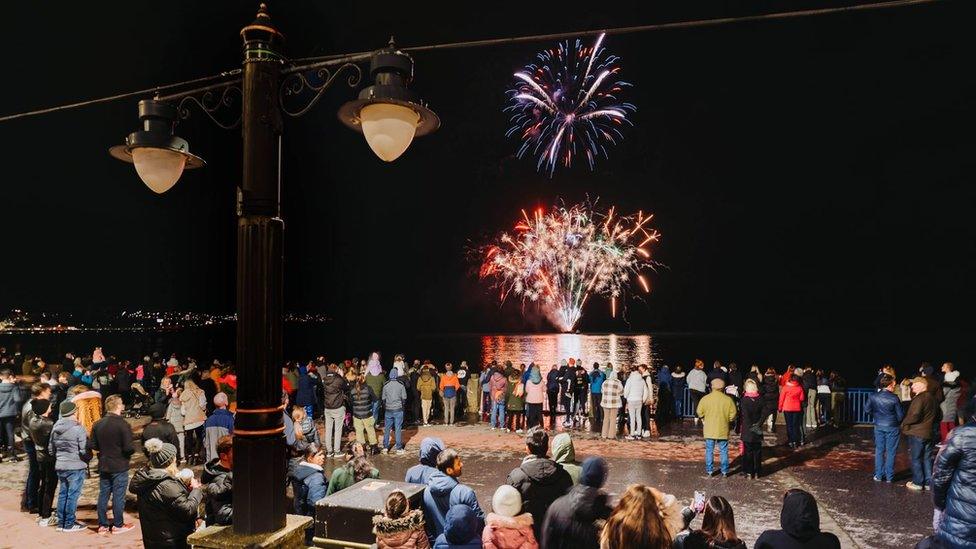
(853,406)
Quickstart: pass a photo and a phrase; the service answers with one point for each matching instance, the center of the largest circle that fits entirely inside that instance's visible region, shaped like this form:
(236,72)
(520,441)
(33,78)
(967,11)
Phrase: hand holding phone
(699,504)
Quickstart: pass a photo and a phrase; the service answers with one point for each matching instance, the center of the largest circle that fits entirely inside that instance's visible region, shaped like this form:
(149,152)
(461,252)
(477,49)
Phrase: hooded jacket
(308,484)
(552,380)
(406,532)
(69,445)
(161,429)
(540,481)
(954,487)
(535,390)
(219,492)
(334,391)
(40,433)
(596,381)
(462,530)
(635,390)
(10,400)
(770,394)
(426,385)
(394,394)
(497,384)
(421,473)
(444,492)
(800,520)
(509,532)
(791,397)
(514,401)
(362,401)
(564,453)
(698,540)
(571,522)
(167,508)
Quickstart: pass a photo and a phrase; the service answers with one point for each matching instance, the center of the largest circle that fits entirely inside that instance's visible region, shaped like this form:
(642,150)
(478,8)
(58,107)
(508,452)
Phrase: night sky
(806,175)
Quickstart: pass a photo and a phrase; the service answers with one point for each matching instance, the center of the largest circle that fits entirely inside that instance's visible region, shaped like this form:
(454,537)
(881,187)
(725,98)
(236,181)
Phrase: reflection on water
(548,349)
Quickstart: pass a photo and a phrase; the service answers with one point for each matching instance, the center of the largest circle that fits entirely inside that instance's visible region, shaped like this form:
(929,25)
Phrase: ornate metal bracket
(306,87)
(212,101)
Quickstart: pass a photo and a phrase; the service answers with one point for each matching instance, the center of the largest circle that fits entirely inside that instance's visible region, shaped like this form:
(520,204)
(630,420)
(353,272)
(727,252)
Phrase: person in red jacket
(791,398)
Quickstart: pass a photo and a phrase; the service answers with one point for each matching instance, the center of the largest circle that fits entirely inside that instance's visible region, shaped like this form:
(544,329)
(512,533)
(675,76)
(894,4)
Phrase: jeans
(634,414)
(391,419)
(533,415)
(885,447)
(29,501)
(449,404)
(309,410)
(112,484)
(7,433)
(376,412)
(679,405)
(45,490)
(920,451)
(723,449)
(333,428)
(71,483)
(497,411)
(364,430)
(794,426)
(597,411)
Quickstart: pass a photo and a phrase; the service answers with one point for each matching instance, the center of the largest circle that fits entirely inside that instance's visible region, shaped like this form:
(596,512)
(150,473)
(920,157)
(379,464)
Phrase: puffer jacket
(167,508)
(885,408)
(10,400)
(954,487)
(40,433)
(540,481)
(362,401)
(949,406)
(406,532)
(420,473)
(698,380)
(770,394)
(571,522)
(219,491)
(509,532)
(444,492)
(308,485)
(635,390)
(69,445)
(463,530)
(791,397)
(306,388)
(564,453)
(334,391)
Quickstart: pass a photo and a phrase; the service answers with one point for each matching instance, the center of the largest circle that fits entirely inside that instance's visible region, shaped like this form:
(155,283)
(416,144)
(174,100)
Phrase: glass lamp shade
(389,128)
(159,169)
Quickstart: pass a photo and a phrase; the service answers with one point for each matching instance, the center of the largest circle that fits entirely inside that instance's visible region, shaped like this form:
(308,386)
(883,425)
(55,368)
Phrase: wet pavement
(836,467)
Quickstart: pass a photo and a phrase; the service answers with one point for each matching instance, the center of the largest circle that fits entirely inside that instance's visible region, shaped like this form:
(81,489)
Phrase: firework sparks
(558,259)
(567,104)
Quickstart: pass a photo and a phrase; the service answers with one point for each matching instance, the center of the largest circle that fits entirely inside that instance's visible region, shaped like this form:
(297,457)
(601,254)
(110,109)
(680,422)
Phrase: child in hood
(400,526)
(505,527)
(460,531)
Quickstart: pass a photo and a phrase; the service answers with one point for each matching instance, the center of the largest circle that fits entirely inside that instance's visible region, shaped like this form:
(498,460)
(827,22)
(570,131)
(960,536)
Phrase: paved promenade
(836,468)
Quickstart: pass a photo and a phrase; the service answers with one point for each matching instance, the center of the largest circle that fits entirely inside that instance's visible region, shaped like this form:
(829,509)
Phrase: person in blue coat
(954,484)
(444,491)
(461,531)
(430,447)
(886,411)
(309,484)
(305,396)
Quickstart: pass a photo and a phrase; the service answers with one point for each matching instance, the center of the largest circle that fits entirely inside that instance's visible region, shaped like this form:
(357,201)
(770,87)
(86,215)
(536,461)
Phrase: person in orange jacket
(449,387)
(791,398)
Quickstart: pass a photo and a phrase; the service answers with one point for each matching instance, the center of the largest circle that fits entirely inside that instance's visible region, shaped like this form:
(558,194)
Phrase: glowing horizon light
(561,258)
(559,110)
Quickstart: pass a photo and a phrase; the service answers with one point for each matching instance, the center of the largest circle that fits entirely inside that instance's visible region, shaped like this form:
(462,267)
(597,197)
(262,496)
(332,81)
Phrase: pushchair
(141,401)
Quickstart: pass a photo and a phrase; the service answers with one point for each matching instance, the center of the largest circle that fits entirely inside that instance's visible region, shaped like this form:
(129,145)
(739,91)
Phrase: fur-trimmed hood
(387,526)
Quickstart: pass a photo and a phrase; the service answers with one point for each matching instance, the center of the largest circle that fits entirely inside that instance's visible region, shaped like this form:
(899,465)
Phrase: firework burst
(567,104)
(557,260)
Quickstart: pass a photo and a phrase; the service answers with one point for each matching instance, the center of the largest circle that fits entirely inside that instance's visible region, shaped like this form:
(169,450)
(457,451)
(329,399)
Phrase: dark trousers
(517,419)
(533,415)
(823,399)
(553,406)
(920,451)
(597,412)
(752,458)
(48,478)
(29,499)
(7,433)
(193,442)
(695,397)
(581,402)
(794,426)
(112,485)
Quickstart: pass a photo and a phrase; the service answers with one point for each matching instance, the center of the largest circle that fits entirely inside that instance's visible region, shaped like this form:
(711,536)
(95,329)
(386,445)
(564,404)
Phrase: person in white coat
(697,385)
(635,391)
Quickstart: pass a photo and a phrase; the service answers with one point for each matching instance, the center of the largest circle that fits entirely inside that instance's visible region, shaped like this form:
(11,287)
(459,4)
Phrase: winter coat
(111,436)
(800,520)
(540,481)
(611,392)
(420,473)
(306,388)
(497,385)
(449,385)
(678,384)
(698,380)
(218,489)
(11,401)
(752,413)
(564,453)
(716,373)
(698,540)
(954,487)
(406,532)
(664,378)
(308,484)
(194,406)
(376,382)
(596,381)
(161,429)
(174,415)
(40,434)
(717,410)
(535,393)
(770,394)
(362,401)
(635,391)
(167,508)
(343,477)
(920,416)
(463,530)
(334,392)
(571,521)
(69,445)
(426,386)
(394,395)
(885,408)
(509,532)
(791,397)
(513,401)
(442,493)
(949,406)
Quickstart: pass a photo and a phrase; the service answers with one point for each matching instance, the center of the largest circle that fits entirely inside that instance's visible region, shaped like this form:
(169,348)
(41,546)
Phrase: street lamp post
(389,115)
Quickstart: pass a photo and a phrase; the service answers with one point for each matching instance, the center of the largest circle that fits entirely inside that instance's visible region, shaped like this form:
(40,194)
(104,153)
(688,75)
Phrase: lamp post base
(292,536)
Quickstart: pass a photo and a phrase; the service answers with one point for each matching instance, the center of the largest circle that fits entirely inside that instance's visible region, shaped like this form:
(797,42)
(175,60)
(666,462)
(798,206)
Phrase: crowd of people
(77,407)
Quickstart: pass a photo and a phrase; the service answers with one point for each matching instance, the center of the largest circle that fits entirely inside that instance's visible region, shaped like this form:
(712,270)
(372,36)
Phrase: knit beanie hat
(161,454)
(40,405)
(157,410)
(507,501)
(393,373)
(594,473)
(68,408)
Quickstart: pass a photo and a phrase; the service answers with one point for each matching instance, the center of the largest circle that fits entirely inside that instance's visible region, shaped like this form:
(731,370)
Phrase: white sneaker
(74,528)
(646,433)
(492,428)
(400,452)
(518,431)
(50,521)
(385,451)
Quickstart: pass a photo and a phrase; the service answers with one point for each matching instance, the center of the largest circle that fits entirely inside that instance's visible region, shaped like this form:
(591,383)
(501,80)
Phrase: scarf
(373,365)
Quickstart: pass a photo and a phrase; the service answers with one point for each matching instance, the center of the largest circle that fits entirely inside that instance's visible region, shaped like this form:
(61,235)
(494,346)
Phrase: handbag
(756,429)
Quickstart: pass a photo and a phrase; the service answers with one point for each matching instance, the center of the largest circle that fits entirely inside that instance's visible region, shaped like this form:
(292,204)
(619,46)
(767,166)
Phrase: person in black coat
(717,372)
(539,479)
(954,484)
(571,521)
(800,520)
(218,480)
(553,381)
(159,427)
(167,505)
(770,396)
(751,412)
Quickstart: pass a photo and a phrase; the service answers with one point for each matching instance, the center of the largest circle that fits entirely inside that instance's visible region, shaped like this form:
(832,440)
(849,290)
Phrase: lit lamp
(388,113)
(158,155)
